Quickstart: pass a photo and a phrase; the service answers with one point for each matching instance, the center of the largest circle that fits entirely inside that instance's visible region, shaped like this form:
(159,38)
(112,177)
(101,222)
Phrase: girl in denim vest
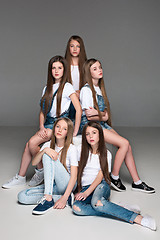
(95,106)
(55,102)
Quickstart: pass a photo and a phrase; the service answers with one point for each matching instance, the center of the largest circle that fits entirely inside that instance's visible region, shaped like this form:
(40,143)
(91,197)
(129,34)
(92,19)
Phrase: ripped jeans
(56,179)
(98,204)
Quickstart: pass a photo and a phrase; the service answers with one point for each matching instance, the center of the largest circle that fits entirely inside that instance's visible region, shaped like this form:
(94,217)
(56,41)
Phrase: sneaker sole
(141,190)
(14,186)
(41,212)
(116,188)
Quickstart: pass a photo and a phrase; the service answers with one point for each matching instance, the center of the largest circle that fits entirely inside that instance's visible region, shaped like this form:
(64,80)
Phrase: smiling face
(74,48)
(92,136)
(96,71)
(57,70)
(61,130)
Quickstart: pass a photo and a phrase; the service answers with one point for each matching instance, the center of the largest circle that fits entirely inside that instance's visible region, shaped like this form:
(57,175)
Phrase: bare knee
(125,144)
(77,209)
(99,204)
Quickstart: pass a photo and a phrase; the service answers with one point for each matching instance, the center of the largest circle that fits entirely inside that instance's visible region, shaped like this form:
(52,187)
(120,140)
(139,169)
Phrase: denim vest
(49,122)
(102,106)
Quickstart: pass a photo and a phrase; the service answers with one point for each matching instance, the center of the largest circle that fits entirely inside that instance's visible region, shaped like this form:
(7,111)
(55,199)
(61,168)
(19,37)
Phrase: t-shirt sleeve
(46,144)
(68,90)
(79,147)
(73,157)
(86,98)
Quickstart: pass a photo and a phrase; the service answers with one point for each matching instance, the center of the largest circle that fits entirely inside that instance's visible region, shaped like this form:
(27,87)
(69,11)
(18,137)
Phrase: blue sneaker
(43,206)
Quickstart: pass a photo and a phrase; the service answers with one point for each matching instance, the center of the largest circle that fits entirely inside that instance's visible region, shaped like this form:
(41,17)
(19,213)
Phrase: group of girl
(75,89)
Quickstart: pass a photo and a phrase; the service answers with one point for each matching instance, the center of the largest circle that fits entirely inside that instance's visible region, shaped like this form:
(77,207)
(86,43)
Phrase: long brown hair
(88,79)
(68,139)
(86,147)
(47,97)
(82,59)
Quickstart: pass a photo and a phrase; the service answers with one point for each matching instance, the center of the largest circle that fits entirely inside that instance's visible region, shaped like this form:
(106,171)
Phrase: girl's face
(57,70)
(96,71)
(61,129)
(74,48)
(92,136)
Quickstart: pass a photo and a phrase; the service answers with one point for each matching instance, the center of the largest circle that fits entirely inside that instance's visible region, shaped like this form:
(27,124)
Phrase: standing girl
(55,102)
(93,181)
(76,56)
(95,106)
(60,170)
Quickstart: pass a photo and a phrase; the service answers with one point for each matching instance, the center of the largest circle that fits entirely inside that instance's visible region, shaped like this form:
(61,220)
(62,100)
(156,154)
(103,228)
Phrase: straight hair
(82,59)
(68,139)
(101,151)
(46,99)
(88,79)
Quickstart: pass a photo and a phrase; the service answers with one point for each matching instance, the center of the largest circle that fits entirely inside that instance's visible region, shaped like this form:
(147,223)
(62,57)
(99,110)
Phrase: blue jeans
(56,180)
(89,206)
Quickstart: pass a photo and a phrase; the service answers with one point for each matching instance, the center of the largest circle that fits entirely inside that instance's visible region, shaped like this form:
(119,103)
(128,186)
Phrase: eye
(87,134)
(65,129)
(60,67)
(53,67)
(78,46)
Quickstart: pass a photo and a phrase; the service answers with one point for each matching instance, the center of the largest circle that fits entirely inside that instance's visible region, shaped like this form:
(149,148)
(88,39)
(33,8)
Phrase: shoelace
(36,177)
(42,200)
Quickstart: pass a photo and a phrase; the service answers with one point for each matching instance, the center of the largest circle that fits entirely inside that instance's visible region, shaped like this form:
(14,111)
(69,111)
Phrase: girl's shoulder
(72,148)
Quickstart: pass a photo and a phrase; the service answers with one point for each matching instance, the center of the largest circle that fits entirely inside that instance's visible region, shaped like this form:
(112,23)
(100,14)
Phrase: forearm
(77,120)
(97,118)
(95,183)
(69,188)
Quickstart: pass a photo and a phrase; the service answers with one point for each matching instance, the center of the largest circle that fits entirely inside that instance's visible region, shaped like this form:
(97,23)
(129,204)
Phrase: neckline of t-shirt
(74,66)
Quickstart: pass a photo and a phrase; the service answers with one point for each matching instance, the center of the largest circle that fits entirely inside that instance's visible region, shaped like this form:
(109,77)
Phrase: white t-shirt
(71,158)
(75,77)
(65,102)
(91,169)
(86,97)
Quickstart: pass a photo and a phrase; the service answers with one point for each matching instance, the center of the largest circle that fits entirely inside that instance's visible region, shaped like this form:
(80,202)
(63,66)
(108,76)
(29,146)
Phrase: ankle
(48,197)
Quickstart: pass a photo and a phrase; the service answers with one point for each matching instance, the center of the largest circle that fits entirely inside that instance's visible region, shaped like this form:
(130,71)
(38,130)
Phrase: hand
(74,134)
(81,196)
(51,153)
(42,133)
(91,112)
(61,203)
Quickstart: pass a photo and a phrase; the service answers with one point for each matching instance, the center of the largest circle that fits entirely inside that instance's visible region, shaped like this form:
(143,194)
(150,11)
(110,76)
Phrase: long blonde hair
(88,79)
(47,97)
(82,59)
(68,139)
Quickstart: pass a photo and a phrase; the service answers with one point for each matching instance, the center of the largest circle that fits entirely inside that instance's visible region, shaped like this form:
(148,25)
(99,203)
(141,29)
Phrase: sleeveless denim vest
(101,105)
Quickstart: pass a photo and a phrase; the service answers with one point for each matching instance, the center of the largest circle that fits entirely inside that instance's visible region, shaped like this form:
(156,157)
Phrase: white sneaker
(37,178)
(15,181)
(149,222)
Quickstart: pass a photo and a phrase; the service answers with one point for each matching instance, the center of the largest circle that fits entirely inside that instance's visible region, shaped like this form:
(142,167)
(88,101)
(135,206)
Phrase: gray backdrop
(123,34)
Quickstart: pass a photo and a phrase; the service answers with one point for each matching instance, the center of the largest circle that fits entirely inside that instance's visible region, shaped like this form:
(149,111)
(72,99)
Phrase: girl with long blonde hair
(60,163)
(96,107)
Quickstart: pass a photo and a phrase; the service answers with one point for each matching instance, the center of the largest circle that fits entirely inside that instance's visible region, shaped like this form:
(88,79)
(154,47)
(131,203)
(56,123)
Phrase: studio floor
(17,221)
